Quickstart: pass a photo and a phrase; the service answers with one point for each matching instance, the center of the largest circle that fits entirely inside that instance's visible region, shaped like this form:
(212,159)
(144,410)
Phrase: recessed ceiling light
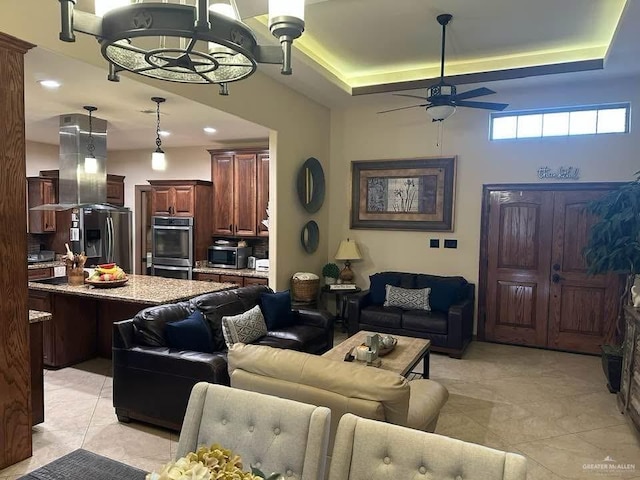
(209,130)
(49,83)
(164,133)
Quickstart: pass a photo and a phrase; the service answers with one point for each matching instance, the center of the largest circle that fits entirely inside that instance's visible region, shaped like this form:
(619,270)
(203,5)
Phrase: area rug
(85,465)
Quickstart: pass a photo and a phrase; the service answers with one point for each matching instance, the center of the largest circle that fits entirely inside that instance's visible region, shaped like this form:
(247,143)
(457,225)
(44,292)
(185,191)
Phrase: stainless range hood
(78,188)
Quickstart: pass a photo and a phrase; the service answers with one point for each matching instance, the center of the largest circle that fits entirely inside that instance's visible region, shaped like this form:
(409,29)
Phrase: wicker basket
(304,290)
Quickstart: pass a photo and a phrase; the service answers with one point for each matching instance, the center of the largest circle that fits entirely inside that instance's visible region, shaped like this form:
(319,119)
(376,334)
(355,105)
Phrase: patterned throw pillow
(244,328)
(407,298)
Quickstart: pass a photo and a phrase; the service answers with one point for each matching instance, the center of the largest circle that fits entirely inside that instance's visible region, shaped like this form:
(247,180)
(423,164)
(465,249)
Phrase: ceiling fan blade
(476,92)
(485,105)
(410,96)
(403,108)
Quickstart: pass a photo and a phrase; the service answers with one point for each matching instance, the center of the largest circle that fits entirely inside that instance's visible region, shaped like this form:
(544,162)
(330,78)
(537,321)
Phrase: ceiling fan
(442,99)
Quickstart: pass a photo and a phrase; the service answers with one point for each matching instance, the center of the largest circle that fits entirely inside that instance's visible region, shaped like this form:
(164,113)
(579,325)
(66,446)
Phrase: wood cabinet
(239,280)
(115,190)
(39,192)
(186,198)
(240,192)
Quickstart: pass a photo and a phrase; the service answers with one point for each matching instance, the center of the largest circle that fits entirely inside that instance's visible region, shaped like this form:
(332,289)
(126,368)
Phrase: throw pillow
(408,298)
(191,333)
(378,283)
(276,308)
(244,328)
(445,291)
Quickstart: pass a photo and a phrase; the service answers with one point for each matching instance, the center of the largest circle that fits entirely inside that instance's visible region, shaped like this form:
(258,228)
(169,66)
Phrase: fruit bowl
(106,283)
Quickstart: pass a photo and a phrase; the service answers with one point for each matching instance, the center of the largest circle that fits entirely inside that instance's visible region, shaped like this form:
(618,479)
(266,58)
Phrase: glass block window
(557,122)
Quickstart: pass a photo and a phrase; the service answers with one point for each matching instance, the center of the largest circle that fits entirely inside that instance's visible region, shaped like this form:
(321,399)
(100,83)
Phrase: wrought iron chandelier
(178,42)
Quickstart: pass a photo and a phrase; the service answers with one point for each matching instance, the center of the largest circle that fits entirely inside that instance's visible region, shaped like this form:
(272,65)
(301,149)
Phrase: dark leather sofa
(449,325)
(152,382)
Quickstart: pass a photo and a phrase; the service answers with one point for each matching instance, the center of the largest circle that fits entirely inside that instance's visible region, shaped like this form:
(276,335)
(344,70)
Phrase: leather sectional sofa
(152,382)
(449,324)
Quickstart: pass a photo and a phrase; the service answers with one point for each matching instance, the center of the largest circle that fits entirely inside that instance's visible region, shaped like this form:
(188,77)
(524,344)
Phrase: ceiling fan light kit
(184,43)
(442,98)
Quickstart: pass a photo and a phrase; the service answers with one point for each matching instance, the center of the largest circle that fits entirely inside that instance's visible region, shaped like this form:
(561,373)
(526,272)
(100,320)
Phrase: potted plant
(614,246)
(330,272)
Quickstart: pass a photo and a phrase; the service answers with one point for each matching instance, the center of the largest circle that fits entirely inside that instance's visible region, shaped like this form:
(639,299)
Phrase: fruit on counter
(102,274)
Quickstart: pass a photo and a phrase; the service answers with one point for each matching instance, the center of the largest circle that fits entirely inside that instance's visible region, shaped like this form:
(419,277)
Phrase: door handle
(555,278)
(556,266)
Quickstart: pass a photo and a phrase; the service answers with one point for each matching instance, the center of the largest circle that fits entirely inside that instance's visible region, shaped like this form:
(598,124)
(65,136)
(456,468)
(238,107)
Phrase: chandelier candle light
(90,161)
(347,251)
(202,42)
(158,160)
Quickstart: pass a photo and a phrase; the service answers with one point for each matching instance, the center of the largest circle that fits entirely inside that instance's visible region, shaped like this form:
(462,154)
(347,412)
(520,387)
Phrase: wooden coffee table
(402,359)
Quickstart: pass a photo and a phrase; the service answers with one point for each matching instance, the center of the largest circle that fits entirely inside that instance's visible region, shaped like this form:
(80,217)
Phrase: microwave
(225,256)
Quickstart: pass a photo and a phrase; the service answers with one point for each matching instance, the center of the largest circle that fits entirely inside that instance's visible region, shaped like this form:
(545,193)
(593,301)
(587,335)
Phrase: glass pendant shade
(441,112)
(158,161)
(225,9)
(286,8)
(90,164)
(103,6)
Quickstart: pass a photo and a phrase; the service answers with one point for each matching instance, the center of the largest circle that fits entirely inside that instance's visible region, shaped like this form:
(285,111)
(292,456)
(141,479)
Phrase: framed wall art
(416,194)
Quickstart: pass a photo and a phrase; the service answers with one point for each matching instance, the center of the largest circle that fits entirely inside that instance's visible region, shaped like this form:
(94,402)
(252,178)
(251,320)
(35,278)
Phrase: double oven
(172,247)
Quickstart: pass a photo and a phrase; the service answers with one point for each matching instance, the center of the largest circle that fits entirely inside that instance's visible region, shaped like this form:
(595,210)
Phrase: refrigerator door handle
(108,240)
(112,237)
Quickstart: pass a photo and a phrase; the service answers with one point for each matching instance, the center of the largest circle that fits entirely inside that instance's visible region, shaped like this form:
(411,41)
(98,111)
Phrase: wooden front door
(536,288)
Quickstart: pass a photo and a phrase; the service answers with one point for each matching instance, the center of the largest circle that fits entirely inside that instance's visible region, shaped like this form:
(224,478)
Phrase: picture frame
(411,194)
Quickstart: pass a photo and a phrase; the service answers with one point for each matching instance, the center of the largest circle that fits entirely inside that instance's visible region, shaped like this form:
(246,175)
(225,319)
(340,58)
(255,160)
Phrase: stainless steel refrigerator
(103,234)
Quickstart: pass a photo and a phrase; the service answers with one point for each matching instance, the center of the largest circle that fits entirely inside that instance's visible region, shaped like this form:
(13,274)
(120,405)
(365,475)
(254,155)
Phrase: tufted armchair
(270,433)
(378,451)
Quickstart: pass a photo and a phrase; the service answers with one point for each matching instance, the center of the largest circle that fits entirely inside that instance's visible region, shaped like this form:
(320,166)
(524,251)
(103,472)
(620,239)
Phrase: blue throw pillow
(444,291)
(191,333)
(377,284)
(276,309)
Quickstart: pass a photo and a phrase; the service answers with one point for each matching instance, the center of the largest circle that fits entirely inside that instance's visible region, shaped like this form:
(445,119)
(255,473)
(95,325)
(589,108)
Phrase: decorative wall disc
(310,236)
(311,185)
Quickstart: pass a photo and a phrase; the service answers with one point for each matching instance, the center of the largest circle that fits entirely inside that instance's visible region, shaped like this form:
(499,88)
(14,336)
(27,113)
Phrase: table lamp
(347,251)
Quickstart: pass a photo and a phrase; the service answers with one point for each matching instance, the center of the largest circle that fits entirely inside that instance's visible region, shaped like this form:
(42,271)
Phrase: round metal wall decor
(310,236)
(311,185)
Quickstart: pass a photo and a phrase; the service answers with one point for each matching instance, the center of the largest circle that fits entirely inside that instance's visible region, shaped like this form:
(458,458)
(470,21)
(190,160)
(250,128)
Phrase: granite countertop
(243,272)
(36,316)
(35,266)
(140,289)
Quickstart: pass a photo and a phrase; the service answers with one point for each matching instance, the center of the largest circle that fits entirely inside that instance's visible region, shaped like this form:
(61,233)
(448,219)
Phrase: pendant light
(158,161)
(90,161)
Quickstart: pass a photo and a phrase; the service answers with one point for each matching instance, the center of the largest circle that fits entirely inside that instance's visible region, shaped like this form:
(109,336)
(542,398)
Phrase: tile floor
(551,407)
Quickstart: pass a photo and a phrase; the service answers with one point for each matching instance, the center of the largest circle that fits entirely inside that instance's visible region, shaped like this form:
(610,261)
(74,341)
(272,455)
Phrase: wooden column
(15,374)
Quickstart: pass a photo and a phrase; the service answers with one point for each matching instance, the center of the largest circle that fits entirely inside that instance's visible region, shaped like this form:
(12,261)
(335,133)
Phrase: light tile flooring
(551,407)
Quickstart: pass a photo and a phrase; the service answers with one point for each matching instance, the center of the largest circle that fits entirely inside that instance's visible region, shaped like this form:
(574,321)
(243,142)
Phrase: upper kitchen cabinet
(41,191)
(115,190)
(240,192)
(179,198)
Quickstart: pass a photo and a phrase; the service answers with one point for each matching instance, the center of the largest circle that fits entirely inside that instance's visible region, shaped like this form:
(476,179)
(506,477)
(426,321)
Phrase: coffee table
(402,359)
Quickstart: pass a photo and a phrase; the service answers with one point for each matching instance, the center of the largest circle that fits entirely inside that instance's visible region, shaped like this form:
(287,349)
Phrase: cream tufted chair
(371,450)
(270,433)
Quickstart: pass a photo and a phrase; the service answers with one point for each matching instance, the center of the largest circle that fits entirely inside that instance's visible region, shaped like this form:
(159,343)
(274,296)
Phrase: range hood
(76,187)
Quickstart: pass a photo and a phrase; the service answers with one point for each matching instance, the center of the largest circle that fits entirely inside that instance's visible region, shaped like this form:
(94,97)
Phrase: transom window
(557,122)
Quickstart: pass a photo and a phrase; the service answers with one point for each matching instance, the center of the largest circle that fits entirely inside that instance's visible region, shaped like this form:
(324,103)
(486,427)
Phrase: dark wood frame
(138,267)
(448,164)
(484,230)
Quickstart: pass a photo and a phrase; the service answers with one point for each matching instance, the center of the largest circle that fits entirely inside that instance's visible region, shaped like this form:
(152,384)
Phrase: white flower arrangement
(209,463)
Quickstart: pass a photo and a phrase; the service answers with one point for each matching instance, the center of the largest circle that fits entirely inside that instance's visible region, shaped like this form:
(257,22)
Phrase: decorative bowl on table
(387,347)
(106,283)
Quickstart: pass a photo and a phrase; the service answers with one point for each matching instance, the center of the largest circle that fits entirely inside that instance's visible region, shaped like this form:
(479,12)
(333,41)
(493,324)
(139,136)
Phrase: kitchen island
(82,316)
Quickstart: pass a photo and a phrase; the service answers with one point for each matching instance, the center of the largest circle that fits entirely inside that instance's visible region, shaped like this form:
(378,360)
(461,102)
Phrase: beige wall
(300,128)
(41,156)
(361,134)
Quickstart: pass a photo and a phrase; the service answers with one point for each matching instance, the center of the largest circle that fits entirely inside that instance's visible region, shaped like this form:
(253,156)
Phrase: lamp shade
(90,164)
(158,161)
(440,112)
(348,250)
(286,8)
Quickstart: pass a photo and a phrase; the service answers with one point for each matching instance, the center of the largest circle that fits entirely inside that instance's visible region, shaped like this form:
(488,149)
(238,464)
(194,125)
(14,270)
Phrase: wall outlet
(434,243)
(451,243)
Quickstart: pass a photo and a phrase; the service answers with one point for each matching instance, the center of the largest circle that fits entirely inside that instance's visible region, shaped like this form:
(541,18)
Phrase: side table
(341,303)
